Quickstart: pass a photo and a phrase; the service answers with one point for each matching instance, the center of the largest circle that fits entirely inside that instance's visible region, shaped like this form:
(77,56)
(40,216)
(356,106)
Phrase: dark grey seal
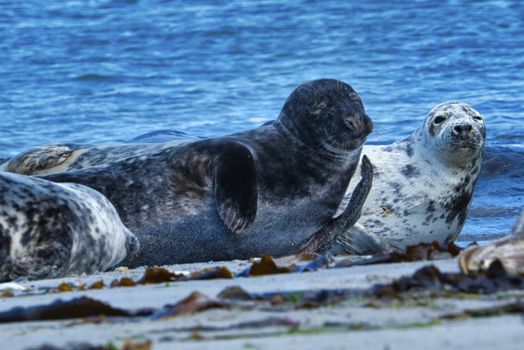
(273,189)
(423,185)
(51,230)
(508,251)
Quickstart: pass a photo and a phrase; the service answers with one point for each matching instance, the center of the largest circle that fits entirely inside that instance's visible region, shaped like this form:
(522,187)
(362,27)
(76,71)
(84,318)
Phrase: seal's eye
(478,117)
(439,120)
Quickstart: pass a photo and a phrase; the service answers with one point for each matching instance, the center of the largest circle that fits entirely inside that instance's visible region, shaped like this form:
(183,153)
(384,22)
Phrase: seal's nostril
(461,129)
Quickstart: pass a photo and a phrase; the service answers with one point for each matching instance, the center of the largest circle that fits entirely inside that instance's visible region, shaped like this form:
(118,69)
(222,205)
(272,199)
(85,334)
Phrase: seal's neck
(330,154)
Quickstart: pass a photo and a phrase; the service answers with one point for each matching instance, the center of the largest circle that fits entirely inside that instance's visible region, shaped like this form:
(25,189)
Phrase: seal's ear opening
(235,187)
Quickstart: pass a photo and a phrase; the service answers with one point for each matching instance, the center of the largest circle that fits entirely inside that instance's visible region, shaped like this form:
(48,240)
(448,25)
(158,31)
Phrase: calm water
(106,71)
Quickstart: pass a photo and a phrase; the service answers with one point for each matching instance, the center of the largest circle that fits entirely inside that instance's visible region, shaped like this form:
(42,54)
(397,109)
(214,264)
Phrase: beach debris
(7,294)
(195,302)
(81,307)
(428,279)
(294,300)
(127,345)
(505,309)
(265,266)
(235,293)
(11,286)
(418,252)
(97,285)
(507,251)
(220,272)
(431,279)
(123,282)
(141,345)
(122,269)
(64,287)
(155,275)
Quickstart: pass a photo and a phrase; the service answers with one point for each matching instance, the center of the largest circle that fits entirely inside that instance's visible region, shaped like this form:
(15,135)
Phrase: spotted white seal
(508,251)
(422,186)
(51,230)
(272,189)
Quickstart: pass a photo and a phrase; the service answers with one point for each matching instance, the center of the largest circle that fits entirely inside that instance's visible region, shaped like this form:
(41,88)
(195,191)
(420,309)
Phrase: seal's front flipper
(235,186)
(357,240)
(38,159)
(325,237)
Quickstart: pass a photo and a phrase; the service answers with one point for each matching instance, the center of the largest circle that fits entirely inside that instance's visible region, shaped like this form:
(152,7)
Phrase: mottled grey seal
(265,190)
(57,158)
(509,251)
(51,230)
(422,186)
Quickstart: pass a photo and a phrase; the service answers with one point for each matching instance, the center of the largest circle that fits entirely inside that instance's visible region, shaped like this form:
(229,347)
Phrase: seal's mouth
(468,145)
(464,137)
(473,142)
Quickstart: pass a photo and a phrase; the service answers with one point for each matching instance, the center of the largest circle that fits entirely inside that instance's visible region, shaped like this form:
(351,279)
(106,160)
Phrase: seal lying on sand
(422,185)
(268,190)
(509,251)
(51,230)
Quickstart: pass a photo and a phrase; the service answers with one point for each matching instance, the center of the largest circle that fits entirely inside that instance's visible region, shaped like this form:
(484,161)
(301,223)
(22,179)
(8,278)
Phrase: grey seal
(51,230)
(272,189)
(508,251)
(423,185)
(57,158)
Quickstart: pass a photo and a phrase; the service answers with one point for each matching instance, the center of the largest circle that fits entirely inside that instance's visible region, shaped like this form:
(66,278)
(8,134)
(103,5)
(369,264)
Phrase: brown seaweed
(62,310)
(155,275)
(427,279)
(418,252)
(431,279)
(195,302)
(128,345)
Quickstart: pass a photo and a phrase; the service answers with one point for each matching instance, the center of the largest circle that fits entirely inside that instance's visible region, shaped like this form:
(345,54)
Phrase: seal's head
(455,131)
(327,115)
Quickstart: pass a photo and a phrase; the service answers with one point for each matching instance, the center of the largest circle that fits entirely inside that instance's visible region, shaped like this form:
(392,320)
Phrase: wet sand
(454,321)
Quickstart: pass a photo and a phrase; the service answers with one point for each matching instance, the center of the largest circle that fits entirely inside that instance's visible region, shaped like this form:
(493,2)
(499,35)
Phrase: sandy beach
(330,308)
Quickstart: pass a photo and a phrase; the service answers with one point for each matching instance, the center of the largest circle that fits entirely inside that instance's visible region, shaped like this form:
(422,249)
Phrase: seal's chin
(341,146)
(342,150)
(470,147)
(467,146)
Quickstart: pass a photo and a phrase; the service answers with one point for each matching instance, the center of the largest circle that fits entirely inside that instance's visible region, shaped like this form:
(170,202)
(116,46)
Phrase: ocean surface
(109,71)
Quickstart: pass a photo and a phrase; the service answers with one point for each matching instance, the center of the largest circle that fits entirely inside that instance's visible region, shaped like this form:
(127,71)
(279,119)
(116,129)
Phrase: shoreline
(353,320)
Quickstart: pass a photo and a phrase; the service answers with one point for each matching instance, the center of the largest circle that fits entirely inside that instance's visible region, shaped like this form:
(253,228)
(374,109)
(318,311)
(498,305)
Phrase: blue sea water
(110,70)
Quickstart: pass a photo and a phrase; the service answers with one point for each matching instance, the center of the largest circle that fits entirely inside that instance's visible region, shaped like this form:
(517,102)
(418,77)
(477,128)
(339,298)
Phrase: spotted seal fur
(57,158)
(422,186)
(508,251)
(272,189)
(51,230)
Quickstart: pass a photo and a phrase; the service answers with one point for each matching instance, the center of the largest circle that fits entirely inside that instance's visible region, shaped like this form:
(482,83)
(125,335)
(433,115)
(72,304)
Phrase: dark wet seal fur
(423,185)
(266,190)
(51,230)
